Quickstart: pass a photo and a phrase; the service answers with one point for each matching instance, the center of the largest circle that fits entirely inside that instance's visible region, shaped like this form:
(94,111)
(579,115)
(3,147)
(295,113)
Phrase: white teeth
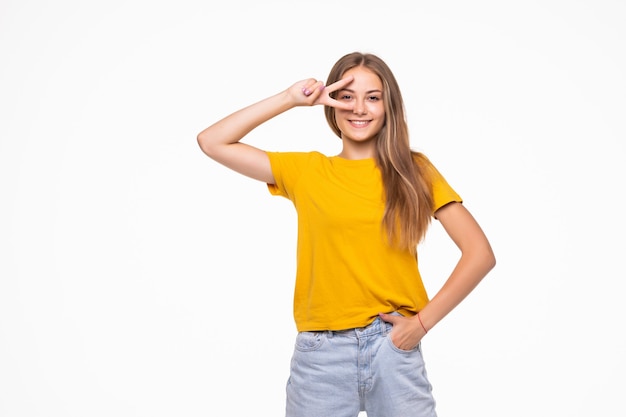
(359,122)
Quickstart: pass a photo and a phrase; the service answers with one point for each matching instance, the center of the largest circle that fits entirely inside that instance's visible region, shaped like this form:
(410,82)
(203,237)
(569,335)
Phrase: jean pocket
(309,341)
(397,349)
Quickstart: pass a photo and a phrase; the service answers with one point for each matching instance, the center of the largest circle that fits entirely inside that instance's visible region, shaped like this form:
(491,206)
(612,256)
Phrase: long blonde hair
(408,194)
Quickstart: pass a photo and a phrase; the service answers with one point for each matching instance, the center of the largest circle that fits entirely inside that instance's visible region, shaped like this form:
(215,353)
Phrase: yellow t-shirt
(347,272)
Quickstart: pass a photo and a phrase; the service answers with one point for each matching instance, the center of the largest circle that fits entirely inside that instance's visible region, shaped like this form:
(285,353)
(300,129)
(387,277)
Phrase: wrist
(421,323)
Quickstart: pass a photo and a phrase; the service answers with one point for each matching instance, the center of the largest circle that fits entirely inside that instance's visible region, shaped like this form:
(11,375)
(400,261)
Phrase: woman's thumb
(389,318)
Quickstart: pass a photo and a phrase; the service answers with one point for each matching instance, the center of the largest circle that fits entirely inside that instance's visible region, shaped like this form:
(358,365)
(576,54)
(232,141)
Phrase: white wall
(139,278)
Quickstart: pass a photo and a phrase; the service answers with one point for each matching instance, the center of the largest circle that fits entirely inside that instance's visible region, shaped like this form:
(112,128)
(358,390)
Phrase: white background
(140,278)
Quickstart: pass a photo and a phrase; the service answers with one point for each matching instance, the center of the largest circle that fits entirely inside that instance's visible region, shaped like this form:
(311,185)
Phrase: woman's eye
(345,97)
(374,98)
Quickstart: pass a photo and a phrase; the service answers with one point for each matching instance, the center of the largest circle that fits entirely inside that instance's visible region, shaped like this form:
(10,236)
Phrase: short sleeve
(443,193)
(286,169)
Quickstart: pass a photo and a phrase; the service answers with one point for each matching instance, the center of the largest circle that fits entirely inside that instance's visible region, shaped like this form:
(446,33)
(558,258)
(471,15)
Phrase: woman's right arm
(221,141)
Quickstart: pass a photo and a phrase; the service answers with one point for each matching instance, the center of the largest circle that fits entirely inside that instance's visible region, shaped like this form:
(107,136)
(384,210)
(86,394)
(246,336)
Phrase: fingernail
(322,87)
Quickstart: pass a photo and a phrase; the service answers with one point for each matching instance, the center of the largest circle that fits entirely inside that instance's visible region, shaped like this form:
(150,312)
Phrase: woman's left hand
(407,331)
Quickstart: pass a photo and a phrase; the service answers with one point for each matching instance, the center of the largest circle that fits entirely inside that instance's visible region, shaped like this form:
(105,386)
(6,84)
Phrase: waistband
(378,326)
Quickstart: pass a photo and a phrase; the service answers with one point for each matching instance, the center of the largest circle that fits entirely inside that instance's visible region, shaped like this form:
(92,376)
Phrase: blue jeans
(340,373)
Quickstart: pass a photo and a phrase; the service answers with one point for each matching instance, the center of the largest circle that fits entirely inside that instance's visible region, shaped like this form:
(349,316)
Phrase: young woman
(360,306)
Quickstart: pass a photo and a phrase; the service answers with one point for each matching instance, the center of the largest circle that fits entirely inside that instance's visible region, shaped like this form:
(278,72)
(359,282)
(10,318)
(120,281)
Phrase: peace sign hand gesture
(311,92)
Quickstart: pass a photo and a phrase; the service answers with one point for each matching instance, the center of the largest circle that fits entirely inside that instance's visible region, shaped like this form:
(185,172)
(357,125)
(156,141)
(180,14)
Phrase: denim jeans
(340,373)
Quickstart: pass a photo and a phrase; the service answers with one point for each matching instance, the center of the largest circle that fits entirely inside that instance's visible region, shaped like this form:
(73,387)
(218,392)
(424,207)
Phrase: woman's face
(367,116)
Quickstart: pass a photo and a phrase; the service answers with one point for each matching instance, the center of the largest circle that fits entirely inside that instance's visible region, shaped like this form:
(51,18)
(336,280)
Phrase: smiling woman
(361,215)
(359,126)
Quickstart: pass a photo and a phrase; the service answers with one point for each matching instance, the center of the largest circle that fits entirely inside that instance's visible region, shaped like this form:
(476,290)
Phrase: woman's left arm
(476,260)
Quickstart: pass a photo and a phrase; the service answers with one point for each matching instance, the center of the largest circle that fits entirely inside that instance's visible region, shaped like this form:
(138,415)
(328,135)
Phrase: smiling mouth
(359,123)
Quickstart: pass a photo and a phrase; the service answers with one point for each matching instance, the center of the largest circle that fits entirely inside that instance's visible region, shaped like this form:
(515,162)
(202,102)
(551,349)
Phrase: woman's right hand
(312,92)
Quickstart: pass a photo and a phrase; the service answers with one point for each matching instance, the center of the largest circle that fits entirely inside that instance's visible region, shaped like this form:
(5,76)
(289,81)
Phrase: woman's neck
(357,150)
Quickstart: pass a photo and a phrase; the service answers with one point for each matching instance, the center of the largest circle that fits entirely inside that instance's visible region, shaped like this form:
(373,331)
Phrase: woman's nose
(359,108)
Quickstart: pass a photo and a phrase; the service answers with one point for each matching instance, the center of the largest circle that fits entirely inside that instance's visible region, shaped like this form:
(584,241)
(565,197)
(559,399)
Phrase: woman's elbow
(482,256)
(489,258)
(203,142)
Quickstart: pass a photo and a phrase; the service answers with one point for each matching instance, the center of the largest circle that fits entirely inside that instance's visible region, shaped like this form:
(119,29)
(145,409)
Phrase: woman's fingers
(337,85)
(314,92)
(327,100)
(311,86)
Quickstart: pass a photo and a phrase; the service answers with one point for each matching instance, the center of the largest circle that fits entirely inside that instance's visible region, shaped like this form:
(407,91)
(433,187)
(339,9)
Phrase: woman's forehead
(364,79)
